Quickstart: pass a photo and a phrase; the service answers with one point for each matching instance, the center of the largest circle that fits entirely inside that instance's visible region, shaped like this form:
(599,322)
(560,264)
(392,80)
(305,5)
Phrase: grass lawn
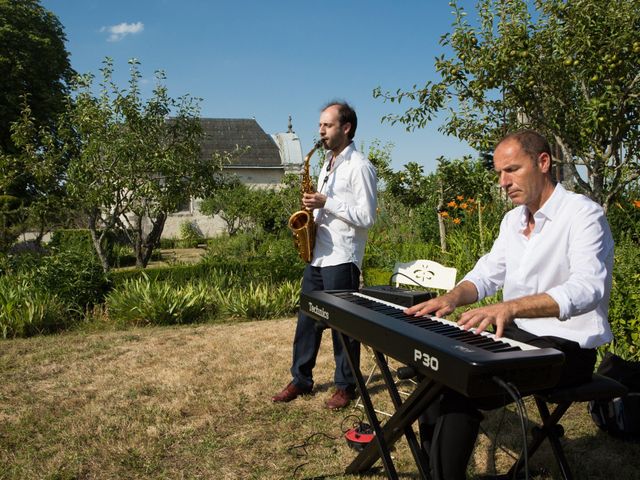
(193,402)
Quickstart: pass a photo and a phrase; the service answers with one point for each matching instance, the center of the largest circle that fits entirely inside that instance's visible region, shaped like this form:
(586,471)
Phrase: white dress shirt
(343,223)
(569,256)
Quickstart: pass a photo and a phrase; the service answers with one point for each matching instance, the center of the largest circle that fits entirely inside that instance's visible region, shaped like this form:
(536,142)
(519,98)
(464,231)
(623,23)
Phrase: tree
(35,71)
(131,165)
(242,207)
(570,69)
(273,206)
(34,66)
(39,163)
(428,194)
(232,204)
(10,216)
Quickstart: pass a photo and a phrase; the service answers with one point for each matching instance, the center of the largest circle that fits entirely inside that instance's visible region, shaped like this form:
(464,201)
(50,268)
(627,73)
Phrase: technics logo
(321,312)
(427,360)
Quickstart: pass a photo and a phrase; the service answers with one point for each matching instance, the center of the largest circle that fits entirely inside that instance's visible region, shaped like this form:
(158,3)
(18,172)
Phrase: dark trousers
(306,342)
(449,427)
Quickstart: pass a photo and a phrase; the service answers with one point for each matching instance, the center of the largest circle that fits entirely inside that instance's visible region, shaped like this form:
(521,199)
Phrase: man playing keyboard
(553,260)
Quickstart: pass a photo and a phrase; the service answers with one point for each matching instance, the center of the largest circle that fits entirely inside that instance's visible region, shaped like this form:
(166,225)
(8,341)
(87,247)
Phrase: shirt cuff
(477,283)
(563,300)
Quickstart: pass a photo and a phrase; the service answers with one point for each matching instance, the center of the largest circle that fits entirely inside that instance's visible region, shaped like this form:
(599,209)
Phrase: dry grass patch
(194,402)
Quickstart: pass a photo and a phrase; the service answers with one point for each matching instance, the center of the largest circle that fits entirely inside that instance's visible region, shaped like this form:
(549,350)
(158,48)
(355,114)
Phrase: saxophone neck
(316,146)
(307,186)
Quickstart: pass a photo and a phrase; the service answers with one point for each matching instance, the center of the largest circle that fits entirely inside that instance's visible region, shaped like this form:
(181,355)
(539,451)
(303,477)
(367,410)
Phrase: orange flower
(452,204)
(460,197)
(456,221)
(463,206)
(470,200)
(636,203)
(444,214)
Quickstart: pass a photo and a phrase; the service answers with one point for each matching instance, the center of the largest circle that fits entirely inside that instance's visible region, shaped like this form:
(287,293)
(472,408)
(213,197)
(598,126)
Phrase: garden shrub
(624,306)
(76,278)
(407,252)
(257,275)
(242,271)
(26,311)
(376,276)
(261,300)
(624,216)
(178,274)
(392,229)
(72,239)
(223,247)
(117,245)
(144,302)
(262,256)
(280,259)
(14,264)
(79,240)
(379,253)
(11,218)
(124,256)
(190,235)
(168,243)
(221,272)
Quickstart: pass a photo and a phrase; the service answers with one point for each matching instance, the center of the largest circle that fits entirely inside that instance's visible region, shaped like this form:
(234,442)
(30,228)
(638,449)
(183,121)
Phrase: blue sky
(271,59)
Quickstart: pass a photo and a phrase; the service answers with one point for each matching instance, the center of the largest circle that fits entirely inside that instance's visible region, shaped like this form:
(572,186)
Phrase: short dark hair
(532,142)
(346,114)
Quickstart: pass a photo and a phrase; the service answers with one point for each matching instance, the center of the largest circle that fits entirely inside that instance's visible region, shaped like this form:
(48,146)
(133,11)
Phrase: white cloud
(118,32)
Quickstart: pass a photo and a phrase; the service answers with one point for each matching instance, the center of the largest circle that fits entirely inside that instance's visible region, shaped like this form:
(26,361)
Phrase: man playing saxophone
(344,207)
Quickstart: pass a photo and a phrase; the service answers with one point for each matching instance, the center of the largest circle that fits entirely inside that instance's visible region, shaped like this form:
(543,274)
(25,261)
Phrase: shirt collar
(548,211)
(551,207)
(344,154)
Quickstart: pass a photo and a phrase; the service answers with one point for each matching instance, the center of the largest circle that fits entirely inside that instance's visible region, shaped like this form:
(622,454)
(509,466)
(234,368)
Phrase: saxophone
(301,222)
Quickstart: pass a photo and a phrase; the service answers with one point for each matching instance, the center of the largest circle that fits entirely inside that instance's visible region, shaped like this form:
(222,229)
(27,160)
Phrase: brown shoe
(290,392)
(340,399)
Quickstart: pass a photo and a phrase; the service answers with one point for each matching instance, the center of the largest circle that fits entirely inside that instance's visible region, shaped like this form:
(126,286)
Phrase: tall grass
(25,311)
(143,302)
(261,300)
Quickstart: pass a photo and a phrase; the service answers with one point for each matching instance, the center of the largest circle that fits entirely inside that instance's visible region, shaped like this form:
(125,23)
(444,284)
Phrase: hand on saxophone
(313,200)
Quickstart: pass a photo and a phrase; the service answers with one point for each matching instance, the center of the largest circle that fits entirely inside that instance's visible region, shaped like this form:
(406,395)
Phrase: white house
(264,164)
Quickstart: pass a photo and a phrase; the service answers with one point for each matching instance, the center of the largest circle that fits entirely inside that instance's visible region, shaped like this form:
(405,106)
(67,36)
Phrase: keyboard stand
(399,424)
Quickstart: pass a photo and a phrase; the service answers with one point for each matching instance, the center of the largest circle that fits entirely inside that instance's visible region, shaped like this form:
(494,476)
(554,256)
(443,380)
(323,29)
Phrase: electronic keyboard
(437,348)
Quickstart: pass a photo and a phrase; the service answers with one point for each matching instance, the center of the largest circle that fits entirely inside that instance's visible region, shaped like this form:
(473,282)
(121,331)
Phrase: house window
(185,207)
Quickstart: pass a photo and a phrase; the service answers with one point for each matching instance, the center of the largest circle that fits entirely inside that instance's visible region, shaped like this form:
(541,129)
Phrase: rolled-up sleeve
(590,262)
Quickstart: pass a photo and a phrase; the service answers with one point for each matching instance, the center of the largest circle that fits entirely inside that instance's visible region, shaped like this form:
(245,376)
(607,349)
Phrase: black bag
(619,416)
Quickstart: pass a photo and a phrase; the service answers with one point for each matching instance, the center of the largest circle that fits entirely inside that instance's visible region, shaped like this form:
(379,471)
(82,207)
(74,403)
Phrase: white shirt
(569,256)
(350,209)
